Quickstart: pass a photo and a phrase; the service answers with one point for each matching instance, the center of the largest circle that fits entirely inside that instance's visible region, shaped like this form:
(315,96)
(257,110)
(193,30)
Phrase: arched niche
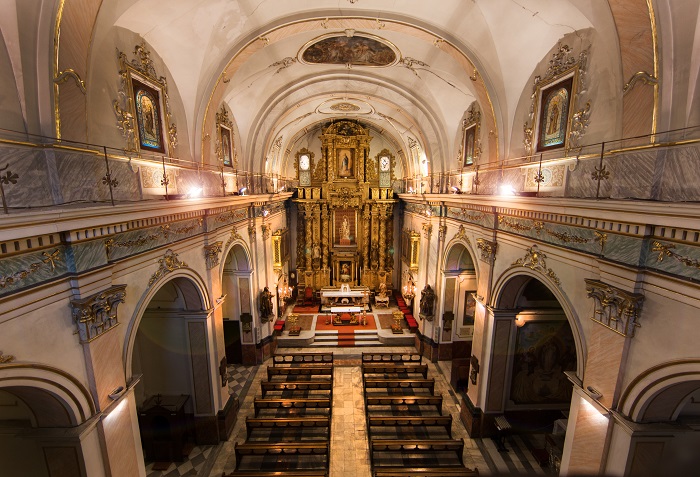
(460,283)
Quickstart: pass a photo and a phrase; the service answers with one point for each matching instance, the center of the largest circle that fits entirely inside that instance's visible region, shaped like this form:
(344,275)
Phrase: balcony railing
(38,172)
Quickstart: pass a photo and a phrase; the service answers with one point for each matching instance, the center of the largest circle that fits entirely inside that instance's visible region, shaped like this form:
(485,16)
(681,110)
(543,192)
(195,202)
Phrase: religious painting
(344,230)
(554,109)
(469,145)
(355,50)
(345,164)
(149,119)
(543,351)
(226,145)
(469,308)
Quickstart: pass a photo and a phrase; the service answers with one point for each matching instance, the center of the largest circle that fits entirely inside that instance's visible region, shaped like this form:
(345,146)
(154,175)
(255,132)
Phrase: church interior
(349,238)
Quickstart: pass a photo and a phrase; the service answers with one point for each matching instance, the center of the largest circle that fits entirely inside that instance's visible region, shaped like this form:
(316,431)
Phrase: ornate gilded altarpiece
(345,223)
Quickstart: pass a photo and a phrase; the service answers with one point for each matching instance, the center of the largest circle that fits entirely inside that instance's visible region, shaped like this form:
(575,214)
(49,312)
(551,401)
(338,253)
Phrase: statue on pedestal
(427,301)
(265,304)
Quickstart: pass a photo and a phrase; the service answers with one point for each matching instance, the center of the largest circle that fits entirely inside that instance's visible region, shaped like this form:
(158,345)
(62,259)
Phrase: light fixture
(455,190)
(117,393)
(265,212)
(411,190)
(594,393)
(194,192)
(242,190)
(506,190)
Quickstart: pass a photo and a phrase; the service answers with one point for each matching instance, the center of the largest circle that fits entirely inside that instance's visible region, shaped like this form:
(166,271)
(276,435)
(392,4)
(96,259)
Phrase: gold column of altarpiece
(345,220)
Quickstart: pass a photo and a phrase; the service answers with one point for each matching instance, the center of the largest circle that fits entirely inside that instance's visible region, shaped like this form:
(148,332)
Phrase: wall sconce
(117,393)
(242,190)
(456,190)
(519,321)
(594,393)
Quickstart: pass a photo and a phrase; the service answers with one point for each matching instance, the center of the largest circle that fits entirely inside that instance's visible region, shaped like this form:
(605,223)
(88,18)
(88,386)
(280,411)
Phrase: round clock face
(304,162)
(384,163)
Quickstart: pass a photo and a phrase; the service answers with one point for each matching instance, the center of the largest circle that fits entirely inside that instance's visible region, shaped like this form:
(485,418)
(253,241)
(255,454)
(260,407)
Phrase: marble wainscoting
(22,271)
(80,178)
(675,258)
(624,249)
(491,181)
(88,255)
(632,175)
(680,176)
(33,187)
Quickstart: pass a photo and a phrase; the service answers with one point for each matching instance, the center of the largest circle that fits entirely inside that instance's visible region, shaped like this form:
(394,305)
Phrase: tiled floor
(349,448)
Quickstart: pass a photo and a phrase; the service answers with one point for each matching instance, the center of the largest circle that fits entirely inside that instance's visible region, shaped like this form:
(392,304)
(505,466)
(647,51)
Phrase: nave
(349,455)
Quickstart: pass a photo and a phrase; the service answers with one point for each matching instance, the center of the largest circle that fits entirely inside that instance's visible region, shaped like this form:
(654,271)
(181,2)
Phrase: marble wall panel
(623,249)
(32,188)
(129,188)
(631,175)
(141,240)
(681,175)
(684,261)
(580,182)
(81,176)
(22,271)
(89,255)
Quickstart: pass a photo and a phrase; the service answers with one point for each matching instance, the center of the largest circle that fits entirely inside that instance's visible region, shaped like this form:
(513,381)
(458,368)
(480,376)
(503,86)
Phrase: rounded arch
(508,288)
(458,257)
(460,239)
(659,393)
(194,294)
(240,256)
(56,398)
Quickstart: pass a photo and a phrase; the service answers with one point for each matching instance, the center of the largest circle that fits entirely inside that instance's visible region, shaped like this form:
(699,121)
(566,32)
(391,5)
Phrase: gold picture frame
(345,163)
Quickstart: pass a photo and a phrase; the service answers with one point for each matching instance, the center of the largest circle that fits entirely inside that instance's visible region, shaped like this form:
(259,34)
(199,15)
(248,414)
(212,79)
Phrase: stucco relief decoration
(265,229)
(666,251)
(251,232)
(615,309)
(551,176)
(97,314)
(143,108)
(151,177)
(233,237)
(211,254)
(345,107)
(535,260)
(462,235)
(488,249)
(167,264)
(555,120)
(6,358)
(349,48)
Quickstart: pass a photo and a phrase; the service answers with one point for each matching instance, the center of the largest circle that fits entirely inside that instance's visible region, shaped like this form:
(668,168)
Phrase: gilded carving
(167,264)
(163,231)
(615,308)
(211,254)
(567,237)
(442,232)
(265,229)
(6,358)
(127,126)
(97,314)
(666,251)
(63,76)
(642,76)
(462,234)
(579,123)
(427,230)
(234,236)
(535,260)
(49,259)
(251,232)
(513,225)
(283,63)
(488,249)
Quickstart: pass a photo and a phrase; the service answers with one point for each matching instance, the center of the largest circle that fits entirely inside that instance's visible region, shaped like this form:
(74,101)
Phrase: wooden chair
(308,296)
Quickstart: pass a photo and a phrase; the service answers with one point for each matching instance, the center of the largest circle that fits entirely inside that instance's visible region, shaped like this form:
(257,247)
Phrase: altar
(345,296)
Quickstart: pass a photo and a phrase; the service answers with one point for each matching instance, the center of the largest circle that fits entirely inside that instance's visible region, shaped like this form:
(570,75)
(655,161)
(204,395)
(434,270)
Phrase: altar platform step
(360,338)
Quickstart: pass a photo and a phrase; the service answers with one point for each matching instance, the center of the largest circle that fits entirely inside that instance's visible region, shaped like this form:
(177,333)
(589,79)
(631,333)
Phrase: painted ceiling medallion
(345,107)
(349,48)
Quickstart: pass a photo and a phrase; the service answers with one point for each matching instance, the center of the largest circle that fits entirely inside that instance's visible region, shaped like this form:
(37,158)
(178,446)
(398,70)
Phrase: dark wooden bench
(503,428)
(300,371)
(284,473)
(425,472)
(285,456)
(448,452)
(394,400)
(395,358)
(441,421)
(282,386)
(252,423)
(302,359)
(379,368)
(298,403)
(398,384)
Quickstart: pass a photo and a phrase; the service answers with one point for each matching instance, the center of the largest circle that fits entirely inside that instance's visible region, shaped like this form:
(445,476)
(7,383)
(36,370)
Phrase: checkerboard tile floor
(238,380)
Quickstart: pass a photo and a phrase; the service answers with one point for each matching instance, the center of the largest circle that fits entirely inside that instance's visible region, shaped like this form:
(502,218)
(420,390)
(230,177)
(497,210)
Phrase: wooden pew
(393,384)
(289,429)
(425,472)
(390,421)
(252,423)
(297,403)
(395,400)
(284,473)
(393,358)
(303,386)
(301,371)
(285,456)
(447,451)
(398,369)
(302,359)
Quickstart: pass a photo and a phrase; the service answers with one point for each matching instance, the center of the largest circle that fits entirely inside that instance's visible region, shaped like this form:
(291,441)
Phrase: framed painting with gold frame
(554,118)
(149,117)
(345,163)
(226,138)
(471,126)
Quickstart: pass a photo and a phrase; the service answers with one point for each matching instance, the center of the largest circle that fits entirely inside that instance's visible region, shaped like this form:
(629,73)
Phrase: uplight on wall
(506,190)
(194,192)
(242,190)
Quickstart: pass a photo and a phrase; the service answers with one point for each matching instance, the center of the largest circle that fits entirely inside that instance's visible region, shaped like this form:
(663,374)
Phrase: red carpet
(321,325)
(346,337)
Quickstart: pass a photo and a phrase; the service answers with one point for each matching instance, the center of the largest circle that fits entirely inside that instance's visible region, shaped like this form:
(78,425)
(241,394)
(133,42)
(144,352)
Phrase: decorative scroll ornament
(488,249)
(427,230)
(63,76)
(527,139)
(211,254)
(561,60)
(579,123)
(642,76)
(513,225)
(266,229)
(251,232)
(615,309)
(168,263)
(97,314)
(442,232)
(345,107)
(49,259)
(234,236)
(666,251)
(462,235)
(127,126)
(6,358)
(283,63)
(163,231)
(535,260)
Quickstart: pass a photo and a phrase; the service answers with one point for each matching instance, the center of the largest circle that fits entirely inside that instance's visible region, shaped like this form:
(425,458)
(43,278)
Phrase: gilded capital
(615,308)
(97,314)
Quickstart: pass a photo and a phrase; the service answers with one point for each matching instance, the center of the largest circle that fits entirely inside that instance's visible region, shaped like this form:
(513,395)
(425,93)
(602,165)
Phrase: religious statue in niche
(345,272)
(265,303)
(427,301)
(316,256)
(382,290)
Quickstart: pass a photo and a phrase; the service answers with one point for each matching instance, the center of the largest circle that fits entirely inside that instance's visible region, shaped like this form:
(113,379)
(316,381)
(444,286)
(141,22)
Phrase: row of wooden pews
(290,431)
(408,434)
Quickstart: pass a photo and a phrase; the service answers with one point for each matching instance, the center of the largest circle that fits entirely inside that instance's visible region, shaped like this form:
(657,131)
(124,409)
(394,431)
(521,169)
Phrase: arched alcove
(460,283)
(236,285)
